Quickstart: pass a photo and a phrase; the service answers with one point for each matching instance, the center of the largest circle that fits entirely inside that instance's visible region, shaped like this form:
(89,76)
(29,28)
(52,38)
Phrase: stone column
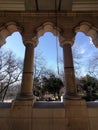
(27,78)
(71,91)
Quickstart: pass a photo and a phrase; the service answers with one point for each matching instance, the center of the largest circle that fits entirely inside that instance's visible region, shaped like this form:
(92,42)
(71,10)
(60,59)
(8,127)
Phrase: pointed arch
(7,29)
(89,30)
(47,27)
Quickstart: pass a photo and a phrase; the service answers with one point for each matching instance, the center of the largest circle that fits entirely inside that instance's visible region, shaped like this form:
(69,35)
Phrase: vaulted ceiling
(48,5)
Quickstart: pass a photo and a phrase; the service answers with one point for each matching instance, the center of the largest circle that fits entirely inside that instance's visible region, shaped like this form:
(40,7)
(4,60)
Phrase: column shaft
(27,78)
(69,71)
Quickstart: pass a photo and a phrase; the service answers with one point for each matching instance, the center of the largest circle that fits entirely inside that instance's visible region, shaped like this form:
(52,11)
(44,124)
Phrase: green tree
(36,86)
(52,84)
(90,85)
(39,71)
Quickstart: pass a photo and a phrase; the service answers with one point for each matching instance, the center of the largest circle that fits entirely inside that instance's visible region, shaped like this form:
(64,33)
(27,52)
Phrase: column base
(72,97)
(25,96)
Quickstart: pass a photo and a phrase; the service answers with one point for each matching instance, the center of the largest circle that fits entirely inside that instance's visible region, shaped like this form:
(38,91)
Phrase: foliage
(36,86)
(90,86)
(48,83)
(40,70)
(43,77)
(52,84)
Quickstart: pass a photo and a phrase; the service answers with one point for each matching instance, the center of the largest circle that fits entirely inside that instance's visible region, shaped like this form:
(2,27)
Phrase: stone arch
(47,27)
(89,30)
(7,29)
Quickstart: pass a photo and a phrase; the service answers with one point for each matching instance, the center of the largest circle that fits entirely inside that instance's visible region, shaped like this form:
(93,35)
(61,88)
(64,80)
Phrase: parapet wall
(24,115)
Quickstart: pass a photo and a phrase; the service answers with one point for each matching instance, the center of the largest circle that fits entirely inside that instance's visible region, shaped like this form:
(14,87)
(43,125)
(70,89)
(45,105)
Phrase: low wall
(71,115)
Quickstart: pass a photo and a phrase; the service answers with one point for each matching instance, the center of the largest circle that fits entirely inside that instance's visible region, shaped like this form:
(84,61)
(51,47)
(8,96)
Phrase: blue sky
(14,43)
(83,45)
(47,46)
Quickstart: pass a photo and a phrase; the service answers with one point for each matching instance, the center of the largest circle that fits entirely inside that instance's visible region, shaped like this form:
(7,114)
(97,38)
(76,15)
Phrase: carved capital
(64,41)
(33,41)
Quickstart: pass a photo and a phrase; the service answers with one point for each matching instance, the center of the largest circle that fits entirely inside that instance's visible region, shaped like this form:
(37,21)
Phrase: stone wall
(22,115)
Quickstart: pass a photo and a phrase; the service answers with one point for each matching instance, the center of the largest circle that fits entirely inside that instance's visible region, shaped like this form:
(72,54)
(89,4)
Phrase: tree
(78,60)
(52,84)
(40,71)
(93,65)
(10,71)
(90,86)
